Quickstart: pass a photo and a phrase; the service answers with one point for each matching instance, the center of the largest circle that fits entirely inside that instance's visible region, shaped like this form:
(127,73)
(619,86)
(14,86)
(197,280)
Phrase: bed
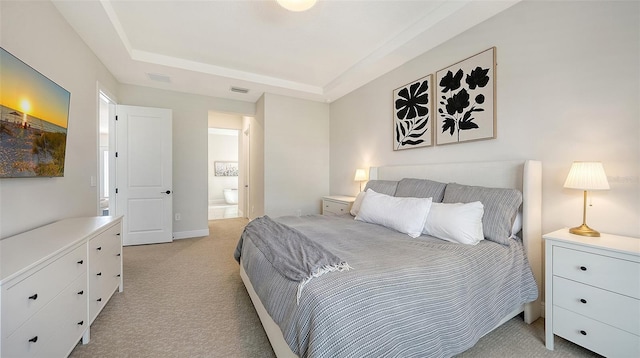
(455,293)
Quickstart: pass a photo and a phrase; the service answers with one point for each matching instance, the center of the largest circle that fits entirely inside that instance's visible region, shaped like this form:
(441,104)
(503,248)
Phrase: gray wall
(36,33)
(296,155)
(190,148)
(567,89)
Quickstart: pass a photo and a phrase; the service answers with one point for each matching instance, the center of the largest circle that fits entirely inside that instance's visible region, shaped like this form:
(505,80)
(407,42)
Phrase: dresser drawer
(605,306)
(24,298)
(48,332)
(606,272)
(332,207)
(100,296)
(106,244)
(596,336)
(103,281)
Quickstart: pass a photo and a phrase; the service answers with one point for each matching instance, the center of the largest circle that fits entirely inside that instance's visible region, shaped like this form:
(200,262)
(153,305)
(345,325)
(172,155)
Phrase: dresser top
(24,251)
(624,244)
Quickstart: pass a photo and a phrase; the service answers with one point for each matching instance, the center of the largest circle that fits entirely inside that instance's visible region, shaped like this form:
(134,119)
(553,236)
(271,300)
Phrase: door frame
(111,103)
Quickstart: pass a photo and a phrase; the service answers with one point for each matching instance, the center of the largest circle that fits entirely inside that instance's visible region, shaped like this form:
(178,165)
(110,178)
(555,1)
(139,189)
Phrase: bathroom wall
(223,146)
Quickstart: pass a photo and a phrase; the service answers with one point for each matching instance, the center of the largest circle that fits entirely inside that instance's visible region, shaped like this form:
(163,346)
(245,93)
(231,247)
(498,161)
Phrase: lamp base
(584,230)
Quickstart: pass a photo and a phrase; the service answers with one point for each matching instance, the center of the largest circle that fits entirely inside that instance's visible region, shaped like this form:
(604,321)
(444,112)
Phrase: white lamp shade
(297,5)
(361,175)
(587,176)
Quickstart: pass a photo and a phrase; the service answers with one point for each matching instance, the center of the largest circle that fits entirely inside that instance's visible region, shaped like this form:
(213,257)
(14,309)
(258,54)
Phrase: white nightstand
(592,290)
(337,205)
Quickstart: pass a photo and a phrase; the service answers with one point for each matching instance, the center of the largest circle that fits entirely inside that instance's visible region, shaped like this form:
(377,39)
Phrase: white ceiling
(208,46)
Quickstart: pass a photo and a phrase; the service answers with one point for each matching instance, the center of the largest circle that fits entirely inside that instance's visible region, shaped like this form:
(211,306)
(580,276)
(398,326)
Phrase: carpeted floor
(186,299)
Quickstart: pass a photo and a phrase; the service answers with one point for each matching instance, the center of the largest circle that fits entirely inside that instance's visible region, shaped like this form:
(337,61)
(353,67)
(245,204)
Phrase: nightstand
(592,290)
(337,205)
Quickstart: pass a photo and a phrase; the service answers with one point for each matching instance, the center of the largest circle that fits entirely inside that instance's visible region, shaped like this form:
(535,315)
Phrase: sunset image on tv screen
(34,115)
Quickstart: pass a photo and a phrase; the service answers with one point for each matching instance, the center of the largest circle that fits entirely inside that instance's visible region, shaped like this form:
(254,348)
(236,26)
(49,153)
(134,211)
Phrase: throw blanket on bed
(290,252)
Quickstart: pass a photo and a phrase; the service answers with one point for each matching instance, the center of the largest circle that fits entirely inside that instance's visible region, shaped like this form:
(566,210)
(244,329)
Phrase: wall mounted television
(34,116)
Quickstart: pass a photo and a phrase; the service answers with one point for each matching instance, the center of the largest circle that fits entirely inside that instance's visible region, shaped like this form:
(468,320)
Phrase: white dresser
(592,292)
(54,280)
(337,204)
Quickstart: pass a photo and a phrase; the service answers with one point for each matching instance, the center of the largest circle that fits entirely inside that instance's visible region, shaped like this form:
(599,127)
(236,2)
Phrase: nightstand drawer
(331,207)
(605,306)
(605,272)
(596,336)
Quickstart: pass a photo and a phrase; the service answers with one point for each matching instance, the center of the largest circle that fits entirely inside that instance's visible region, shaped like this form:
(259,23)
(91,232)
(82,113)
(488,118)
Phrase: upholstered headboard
(524,175)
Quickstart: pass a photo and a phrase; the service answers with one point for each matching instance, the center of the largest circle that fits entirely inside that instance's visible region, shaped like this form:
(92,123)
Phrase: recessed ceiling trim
(115,22)
(176,62)
(423,24)
(155,58)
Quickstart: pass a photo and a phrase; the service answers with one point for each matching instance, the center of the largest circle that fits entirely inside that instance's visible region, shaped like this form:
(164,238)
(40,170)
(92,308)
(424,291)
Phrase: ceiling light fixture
(297,5)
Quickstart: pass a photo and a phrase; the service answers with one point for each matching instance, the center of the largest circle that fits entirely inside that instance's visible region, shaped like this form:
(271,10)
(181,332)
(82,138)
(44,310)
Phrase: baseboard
(190,234)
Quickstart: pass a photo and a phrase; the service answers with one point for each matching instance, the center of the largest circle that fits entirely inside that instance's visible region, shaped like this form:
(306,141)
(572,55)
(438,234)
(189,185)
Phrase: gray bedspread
(406,297)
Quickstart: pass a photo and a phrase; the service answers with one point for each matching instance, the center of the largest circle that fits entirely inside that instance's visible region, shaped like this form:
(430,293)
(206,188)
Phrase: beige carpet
(186,299)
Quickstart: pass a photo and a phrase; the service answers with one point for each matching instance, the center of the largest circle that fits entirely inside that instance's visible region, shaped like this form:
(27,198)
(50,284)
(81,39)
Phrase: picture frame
(412,114)
(466,100)
(34,120)
(225,169)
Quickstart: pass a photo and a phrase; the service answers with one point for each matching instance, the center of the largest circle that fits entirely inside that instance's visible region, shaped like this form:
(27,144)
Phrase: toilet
(231,196)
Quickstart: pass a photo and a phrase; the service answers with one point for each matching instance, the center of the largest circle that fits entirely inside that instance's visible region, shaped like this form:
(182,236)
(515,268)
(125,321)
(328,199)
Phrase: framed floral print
(412,109)
(225,169)
(466,95)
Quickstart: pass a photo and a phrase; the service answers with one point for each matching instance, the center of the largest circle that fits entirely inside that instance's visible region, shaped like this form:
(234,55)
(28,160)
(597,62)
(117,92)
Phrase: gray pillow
(500,207)
(421,188)
(387,187)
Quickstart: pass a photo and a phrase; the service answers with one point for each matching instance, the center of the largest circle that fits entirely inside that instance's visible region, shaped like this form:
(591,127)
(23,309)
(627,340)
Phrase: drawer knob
(99,300)
(33,297)
(99,248)
(583,333)
(34,339)
(118,275)
(80,262)
(118,254)
(99,274)
(80,323)
(583,268)
(81,292)
(583,300)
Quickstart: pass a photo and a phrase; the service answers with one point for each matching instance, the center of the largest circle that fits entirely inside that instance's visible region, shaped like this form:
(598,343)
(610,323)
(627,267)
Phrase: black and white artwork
(466,100)
(412,109)
(226,169)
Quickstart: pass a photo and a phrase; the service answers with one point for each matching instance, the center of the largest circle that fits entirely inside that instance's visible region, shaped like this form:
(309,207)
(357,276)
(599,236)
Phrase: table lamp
(586,176)
(361,175)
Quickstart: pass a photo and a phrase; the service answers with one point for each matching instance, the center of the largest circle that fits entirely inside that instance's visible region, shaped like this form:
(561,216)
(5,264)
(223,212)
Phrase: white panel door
(144,174)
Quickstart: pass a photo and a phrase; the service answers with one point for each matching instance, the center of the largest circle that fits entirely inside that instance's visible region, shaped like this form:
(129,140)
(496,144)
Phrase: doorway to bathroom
(223,173)
(225,166)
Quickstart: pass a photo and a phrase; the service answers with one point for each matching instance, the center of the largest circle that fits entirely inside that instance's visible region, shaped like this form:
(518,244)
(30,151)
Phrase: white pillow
(355,207)
(517,224)
(456,222)
(406,215)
